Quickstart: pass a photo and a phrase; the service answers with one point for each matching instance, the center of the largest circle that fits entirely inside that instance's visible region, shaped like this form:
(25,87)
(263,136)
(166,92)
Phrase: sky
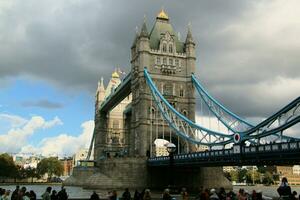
(53,53)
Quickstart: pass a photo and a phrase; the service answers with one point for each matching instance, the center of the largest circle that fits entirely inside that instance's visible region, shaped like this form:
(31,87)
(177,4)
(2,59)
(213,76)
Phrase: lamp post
(171,148)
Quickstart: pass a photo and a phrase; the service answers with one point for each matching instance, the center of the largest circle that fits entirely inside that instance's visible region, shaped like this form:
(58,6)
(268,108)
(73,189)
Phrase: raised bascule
(157,100)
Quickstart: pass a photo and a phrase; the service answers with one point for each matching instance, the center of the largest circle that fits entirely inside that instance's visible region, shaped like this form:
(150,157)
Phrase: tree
(51,166)
(268,178)
(242,175)
(32,173)
(7,166)
(234,175)
(253,174)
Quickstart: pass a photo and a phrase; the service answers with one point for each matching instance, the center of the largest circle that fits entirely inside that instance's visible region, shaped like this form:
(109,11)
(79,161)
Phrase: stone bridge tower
(170,63)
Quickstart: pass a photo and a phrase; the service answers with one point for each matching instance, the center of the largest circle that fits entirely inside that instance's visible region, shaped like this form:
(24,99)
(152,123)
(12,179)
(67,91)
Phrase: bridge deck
(268,154)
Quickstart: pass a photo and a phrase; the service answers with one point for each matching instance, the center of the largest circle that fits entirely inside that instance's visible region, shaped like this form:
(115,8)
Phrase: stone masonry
(170,63)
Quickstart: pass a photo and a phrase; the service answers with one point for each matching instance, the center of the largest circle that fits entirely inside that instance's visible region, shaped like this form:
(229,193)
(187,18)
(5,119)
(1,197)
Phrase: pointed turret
(143,40)
(100,90)
(135,38)
(189,37)
(190,51)
(144,30)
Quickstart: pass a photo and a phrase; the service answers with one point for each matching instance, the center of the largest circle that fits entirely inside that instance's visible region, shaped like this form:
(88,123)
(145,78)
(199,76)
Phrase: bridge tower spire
(190,50)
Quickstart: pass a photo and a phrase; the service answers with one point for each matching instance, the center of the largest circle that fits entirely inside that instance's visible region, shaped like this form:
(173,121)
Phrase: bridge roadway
(268,154)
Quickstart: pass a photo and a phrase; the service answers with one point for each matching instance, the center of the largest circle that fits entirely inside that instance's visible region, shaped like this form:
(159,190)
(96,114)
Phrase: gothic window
(177,63)
(170,48)
(152,113)
(158,60)
(116,124)
(168,89)
(181,92)
(115,138)
(184,112)
(164,48)
(164,61)
(170,61)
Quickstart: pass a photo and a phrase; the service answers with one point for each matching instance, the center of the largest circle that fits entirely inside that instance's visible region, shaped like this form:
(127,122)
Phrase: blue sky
(26,98)
(53,53)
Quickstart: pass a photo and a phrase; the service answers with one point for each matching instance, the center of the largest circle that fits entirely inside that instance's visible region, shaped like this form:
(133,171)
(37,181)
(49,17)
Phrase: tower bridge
(158,101)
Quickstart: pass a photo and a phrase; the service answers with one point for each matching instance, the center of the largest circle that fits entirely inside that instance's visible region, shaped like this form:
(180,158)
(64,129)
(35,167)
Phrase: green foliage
(28,173)
(262,175)
(51,166)
(261,169)
(234,175)
(7,166)
(253,174)
(242,175)
(268,178)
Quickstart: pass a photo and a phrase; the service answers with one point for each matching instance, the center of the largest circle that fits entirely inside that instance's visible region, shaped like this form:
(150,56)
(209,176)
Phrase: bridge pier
(133,173)
(190,178)
(113,173)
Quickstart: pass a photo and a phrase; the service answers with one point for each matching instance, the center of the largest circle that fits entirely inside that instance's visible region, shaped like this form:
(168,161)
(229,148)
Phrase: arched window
(116,124)
(168,89)
(177,63)
(181,92)
(184,112)
(152,113)
(170,48)
(170,61)
(164,48)
(158,60)
(164,61)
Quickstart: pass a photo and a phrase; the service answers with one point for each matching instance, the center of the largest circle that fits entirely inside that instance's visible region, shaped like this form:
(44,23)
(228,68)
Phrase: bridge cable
(163,104)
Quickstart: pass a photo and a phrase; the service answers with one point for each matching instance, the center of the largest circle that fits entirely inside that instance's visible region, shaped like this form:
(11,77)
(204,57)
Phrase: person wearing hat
(147,195)
(166,195)
(213,195)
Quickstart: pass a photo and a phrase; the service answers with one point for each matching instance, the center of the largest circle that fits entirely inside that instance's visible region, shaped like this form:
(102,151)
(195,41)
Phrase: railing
(230,153)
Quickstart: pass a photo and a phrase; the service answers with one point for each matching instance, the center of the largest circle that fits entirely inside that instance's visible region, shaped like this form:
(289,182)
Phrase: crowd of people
(24,194)
(203,194)
(284,191)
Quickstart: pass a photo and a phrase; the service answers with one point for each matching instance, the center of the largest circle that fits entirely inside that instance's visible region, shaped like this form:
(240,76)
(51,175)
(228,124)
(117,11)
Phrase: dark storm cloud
(43,103)
(73,43)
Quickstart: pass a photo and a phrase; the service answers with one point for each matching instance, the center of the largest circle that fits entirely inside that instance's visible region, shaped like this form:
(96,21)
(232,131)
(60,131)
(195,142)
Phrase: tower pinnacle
(162,15)
(144,31)
(189,37)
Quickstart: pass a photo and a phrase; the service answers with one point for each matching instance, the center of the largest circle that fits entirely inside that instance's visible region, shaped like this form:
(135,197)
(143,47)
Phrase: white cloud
(54,122)
(21,129)
(12,120)
(63,144)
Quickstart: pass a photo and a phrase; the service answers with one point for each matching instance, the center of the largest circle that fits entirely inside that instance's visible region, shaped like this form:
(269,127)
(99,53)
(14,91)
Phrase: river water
(79,192)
